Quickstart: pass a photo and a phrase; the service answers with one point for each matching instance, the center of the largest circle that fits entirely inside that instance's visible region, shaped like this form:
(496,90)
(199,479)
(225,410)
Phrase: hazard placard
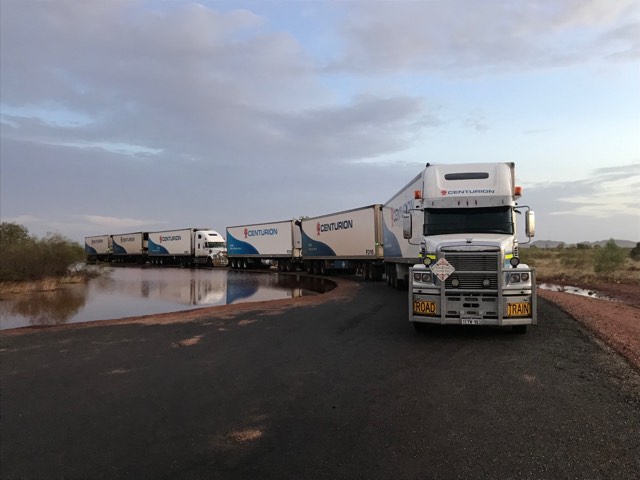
(442,269)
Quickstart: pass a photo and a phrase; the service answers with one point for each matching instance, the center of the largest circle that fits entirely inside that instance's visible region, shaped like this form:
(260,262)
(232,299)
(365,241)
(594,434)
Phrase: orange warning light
(518,191)
(417,194)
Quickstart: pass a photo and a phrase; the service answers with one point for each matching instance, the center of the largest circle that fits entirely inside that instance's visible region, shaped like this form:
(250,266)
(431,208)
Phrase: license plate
(471,321)
(423,307)
(521,309)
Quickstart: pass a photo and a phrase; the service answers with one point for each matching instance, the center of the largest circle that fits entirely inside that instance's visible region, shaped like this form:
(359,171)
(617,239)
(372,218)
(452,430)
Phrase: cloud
(114,223)
(456,37)
(605,190)
(192,82)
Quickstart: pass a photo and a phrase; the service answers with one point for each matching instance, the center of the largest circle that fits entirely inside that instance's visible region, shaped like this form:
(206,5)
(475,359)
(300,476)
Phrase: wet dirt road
(339,390)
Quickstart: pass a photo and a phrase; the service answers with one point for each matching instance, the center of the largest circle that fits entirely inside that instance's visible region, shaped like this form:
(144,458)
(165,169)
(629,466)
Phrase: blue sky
(120,116)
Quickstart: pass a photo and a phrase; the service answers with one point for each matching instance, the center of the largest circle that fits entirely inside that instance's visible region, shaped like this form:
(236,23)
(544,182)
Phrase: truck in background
(401,253)
(265,244)
(348,241)
(130,247)
(187,247)
(469,271)
(98,248)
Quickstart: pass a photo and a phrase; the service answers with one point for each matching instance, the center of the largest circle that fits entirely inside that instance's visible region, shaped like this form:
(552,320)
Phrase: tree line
(25,257)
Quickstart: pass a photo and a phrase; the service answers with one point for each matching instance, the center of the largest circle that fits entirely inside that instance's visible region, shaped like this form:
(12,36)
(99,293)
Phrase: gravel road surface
(340,389)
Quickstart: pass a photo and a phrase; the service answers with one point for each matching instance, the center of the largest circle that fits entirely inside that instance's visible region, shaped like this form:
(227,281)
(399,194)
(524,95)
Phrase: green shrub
(635,252)
(24,257)
(610,258)
(575,258)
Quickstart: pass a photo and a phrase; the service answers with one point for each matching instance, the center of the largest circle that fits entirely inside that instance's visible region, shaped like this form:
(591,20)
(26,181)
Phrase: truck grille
(472,269)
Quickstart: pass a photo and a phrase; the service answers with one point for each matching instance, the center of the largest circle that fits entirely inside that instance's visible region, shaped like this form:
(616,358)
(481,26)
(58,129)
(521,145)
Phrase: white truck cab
(470,273)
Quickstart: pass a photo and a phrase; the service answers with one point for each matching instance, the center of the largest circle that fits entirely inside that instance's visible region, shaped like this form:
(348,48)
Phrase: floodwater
(573,290)
(128,292)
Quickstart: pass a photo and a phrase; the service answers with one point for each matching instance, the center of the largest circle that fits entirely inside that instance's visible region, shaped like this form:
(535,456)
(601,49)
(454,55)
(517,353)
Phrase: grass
(42,285)
(583,265)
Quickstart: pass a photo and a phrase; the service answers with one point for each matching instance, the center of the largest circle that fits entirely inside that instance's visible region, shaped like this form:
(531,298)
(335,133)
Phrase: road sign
(442,269)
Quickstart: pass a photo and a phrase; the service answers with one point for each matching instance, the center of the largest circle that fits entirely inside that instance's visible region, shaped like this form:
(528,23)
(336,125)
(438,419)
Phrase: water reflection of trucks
(345,241)
(459,240)
(210,290)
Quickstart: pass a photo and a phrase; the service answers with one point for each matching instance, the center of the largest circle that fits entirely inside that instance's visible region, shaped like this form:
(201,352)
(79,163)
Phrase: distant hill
(601,243)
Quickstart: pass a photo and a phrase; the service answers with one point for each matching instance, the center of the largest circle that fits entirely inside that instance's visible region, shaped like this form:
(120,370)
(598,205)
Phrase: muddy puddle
(573,290)
(127,292)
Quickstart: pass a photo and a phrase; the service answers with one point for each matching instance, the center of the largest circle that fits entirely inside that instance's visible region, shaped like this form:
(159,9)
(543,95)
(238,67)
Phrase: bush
(635,252)
(610,258)
(24,257)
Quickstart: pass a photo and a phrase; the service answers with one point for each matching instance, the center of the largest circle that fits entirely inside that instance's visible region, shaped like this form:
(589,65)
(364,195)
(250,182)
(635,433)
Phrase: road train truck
(469,272)
(130,247)
(187,247)
(98,248)
(265,244)
(348,241)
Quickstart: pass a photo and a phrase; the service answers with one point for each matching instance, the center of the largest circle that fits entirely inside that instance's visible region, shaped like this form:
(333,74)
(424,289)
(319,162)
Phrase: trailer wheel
(393,278)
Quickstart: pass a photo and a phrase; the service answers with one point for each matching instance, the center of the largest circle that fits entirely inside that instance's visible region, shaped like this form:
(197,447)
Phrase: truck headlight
(422,277)
(518,277)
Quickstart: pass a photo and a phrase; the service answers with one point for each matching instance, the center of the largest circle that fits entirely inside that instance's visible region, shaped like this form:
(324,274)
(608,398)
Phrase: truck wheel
(322,269)
(245,263)
(519,329)
(209,262)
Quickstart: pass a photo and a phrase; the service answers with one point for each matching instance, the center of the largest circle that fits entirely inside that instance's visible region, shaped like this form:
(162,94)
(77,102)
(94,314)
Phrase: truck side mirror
(407,226)
(530,224)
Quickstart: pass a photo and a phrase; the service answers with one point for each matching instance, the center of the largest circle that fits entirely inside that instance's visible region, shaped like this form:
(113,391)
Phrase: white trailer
(349,241)
(98,248)
(265,244)
(130,247)
(187,247)
(401,253)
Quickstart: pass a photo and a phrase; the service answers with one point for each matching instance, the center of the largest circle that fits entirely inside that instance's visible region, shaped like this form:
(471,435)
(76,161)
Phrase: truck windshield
(214,245)
(440,221)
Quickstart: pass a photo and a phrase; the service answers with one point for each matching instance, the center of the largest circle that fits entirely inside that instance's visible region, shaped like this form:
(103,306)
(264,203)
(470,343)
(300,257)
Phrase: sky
(122,116)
